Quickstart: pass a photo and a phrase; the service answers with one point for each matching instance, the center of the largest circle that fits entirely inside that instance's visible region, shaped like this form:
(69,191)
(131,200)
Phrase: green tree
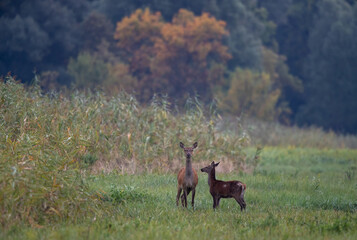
(39,35)
(88,72)
(91,72)
(245,28)
(293,34)
(94,29)
(277,9)
(331,99)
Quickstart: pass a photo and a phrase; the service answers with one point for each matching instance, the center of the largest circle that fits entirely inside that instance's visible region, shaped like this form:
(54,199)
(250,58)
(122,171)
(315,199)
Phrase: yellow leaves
(252,94)
(119,78)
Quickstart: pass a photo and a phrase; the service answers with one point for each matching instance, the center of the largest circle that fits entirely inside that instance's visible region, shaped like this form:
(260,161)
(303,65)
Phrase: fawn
(221,189)
(187,178)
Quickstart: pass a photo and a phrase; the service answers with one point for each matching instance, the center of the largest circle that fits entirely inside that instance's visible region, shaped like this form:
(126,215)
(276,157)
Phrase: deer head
(209,168)
(188,150)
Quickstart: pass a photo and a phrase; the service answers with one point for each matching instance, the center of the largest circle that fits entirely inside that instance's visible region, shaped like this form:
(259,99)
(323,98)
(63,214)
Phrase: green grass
(293,194)
(65,164)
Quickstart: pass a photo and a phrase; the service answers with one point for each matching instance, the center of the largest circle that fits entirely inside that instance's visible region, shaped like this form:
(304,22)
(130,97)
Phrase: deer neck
(189,171)
(212,177)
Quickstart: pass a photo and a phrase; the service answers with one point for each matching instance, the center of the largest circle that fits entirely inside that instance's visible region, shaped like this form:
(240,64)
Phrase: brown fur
(187,178)
(221,189)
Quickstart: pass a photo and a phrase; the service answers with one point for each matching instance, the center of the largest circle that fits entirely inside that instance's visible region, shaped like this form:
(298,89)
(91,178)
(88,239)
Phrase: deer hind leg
(179,190)
(240,201)
(242,198)
(244,204)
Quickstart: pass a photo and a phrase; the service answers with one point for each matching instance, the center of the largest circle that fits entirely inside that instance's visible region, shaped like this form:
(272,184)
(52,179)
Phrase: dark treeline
(289,60)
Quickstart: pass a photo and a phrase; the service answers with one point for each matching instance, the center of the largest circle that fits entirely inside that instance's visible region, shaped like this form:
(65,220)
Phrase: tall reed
(49,142)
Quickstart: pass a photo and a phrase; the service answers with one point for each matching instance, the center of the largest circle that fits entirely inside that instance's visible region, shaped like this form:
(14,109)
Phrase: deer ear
(216,164)
(212,163)
(182,145)
(195,145)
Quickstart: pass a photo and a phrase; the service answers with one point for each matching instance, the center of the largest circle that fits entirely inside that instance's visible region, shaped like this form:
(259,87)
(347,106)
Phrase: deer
(187,178)
(222,189)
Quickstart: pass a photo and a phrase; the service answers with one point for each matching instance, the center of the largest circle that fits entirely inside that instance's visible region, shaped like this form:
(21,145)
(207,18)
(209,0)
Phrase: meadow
(293,194)
(95,167)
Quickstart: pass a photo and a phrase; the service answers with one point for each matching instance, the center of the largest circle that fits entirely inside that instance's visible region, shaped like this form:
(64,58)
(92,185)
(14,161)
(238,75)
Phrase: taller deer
(187,178)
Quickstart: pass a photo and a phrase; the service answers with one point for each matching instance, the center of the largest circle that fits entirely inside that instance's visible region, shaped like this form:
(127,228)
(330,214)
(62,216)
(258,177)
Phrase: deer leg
(193,198)
(218,199)
(179,190)
(182,198)
(244,204)
(215,200)
(186,193)
(239,201)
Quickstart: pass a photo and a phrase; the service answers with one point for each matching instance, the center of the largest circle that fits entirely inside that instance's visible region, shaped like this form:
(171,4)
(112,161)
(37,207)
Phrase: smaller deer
(221,189)
(187,178)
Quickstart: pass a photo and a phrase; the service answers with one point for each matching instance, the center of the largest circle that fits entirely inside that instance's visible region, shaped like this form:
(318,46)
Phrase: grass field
(293,194)
(99,167)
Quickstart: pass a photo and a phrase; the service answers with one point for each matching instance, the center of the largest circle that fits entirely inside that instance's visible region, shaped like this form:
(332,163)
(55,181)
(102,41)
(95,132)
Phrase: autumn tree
(179,58)
(251,94)
(190,54)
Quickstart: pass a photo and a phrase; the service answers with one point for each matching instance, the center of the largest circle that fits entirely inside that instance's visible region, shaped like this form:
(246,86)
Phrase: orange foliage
(175,58)
(141,28)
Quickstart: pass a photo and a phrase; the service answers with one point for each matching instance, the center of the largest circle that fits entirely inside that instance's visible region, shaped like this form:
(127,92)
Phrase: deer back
(227,189)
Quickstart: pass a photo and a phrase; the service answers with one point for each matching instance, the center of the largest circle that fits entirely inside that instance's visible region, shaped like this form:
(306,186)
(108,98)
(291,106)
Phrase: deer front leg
(179,190)
(185,197)
(193,198)
(182,196)
(218,199)
(214,202)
